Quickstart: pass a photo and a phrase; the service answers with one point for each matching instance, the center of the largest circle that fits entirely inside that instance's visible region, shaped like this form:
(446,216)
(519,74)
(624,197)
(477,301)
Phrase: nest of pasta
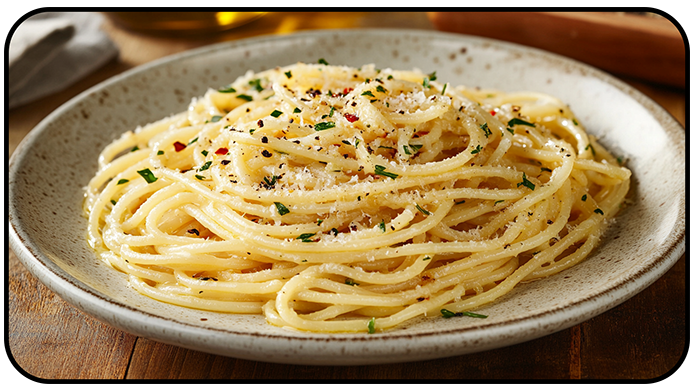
(340,199)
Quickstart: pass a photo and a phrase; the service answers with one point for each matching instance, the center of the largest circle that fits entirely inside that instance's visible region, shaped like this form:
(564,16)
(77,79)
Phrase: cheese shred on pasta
(339,199)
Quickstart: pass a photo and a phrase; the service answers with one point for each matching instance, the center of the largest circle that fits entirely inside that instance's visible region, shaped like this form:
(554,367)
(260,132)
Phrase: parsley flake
(527,183)
(423,210)
(449,314)
(518,121)
(380,170)
(306,237)
(487,131)
(281,208)
(147,175)
(205,166)
(255,83)
(324,125)
(227,90)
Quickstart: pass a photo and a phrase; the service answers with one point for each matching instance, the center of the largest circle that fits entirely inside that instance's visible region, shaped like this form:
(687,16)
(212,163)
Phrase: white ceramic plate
(55,161)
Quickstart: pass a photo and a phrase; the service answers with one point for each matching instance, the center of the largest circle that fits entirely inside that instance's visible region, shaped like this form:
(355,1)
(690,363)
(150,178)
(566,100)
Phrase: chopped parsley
(449,314)
(197,176)
(227,90)
(269,183)
(487,131)
(584,197)
(296,110)
(322,61)
(205,166)
(281,208)
(215,118)
(370,326)
(288,74)
(324,125)
(122,181)
(518,121)
(423,210)
(380,170)
(147,175)
(592,149)
(599,211)
(351,282)
(477,149)
(244,97)
(414,147)
(527,183)
(306,237)
(368,93)
(255,83)
(275,113)
(382,227)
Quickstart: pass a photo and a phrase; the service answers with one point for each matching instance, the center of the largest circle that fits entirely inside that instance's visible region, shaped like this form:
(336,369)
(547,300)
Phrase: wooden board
(644,46)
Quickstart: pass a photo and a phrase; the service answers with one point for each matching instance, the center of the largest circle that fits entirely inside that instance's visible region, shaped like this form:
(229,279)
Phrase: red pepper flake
(222,151)
(347,90)
(351,117)
(493,112)
(179,146)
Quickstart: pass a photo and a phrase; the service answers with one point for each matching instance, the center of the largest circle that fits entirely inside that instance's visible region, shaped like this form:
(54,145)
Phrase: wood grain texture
(545,358)
(649,47)
(642,339)
(49,339)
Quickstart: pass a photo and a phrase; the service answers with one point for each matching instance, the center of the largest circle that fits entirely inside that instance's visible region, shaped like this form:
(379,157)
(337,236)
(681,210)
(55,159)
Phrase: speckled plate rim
(334,349)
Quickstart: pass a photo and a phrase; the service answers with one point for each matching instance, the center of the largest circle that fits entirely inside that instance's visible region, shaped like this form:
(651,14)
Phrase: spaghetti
(339,199)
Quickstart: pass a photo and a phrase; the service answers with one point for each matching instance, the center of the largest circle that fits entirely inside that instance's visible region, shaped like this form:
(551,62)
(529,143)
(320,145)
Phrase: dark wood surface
(643,339)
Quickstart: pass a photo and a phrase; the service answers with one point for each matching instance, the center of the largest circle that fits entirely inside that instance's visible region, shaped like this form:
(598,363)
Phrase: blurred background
(53,57)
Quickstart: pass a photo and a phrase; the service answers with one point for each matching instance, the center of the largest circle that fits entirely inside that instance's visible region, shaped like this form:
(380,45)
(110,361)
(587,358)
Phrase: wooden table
(643,339)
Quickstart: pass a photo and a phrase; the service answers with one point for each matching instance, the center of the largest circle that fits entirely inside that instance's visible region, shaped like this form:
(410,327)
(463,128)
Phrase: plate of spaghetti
(351,197)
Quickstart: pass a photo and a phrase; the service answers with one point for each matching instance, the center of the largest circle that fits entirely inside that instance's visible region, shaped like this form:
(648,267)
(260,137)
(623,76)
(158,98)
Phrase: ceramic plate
(48,171)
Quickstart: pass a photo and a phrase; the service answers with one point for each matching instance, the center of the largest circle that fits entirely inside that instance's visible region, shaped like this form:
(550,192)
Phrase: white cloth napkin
(52,50)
